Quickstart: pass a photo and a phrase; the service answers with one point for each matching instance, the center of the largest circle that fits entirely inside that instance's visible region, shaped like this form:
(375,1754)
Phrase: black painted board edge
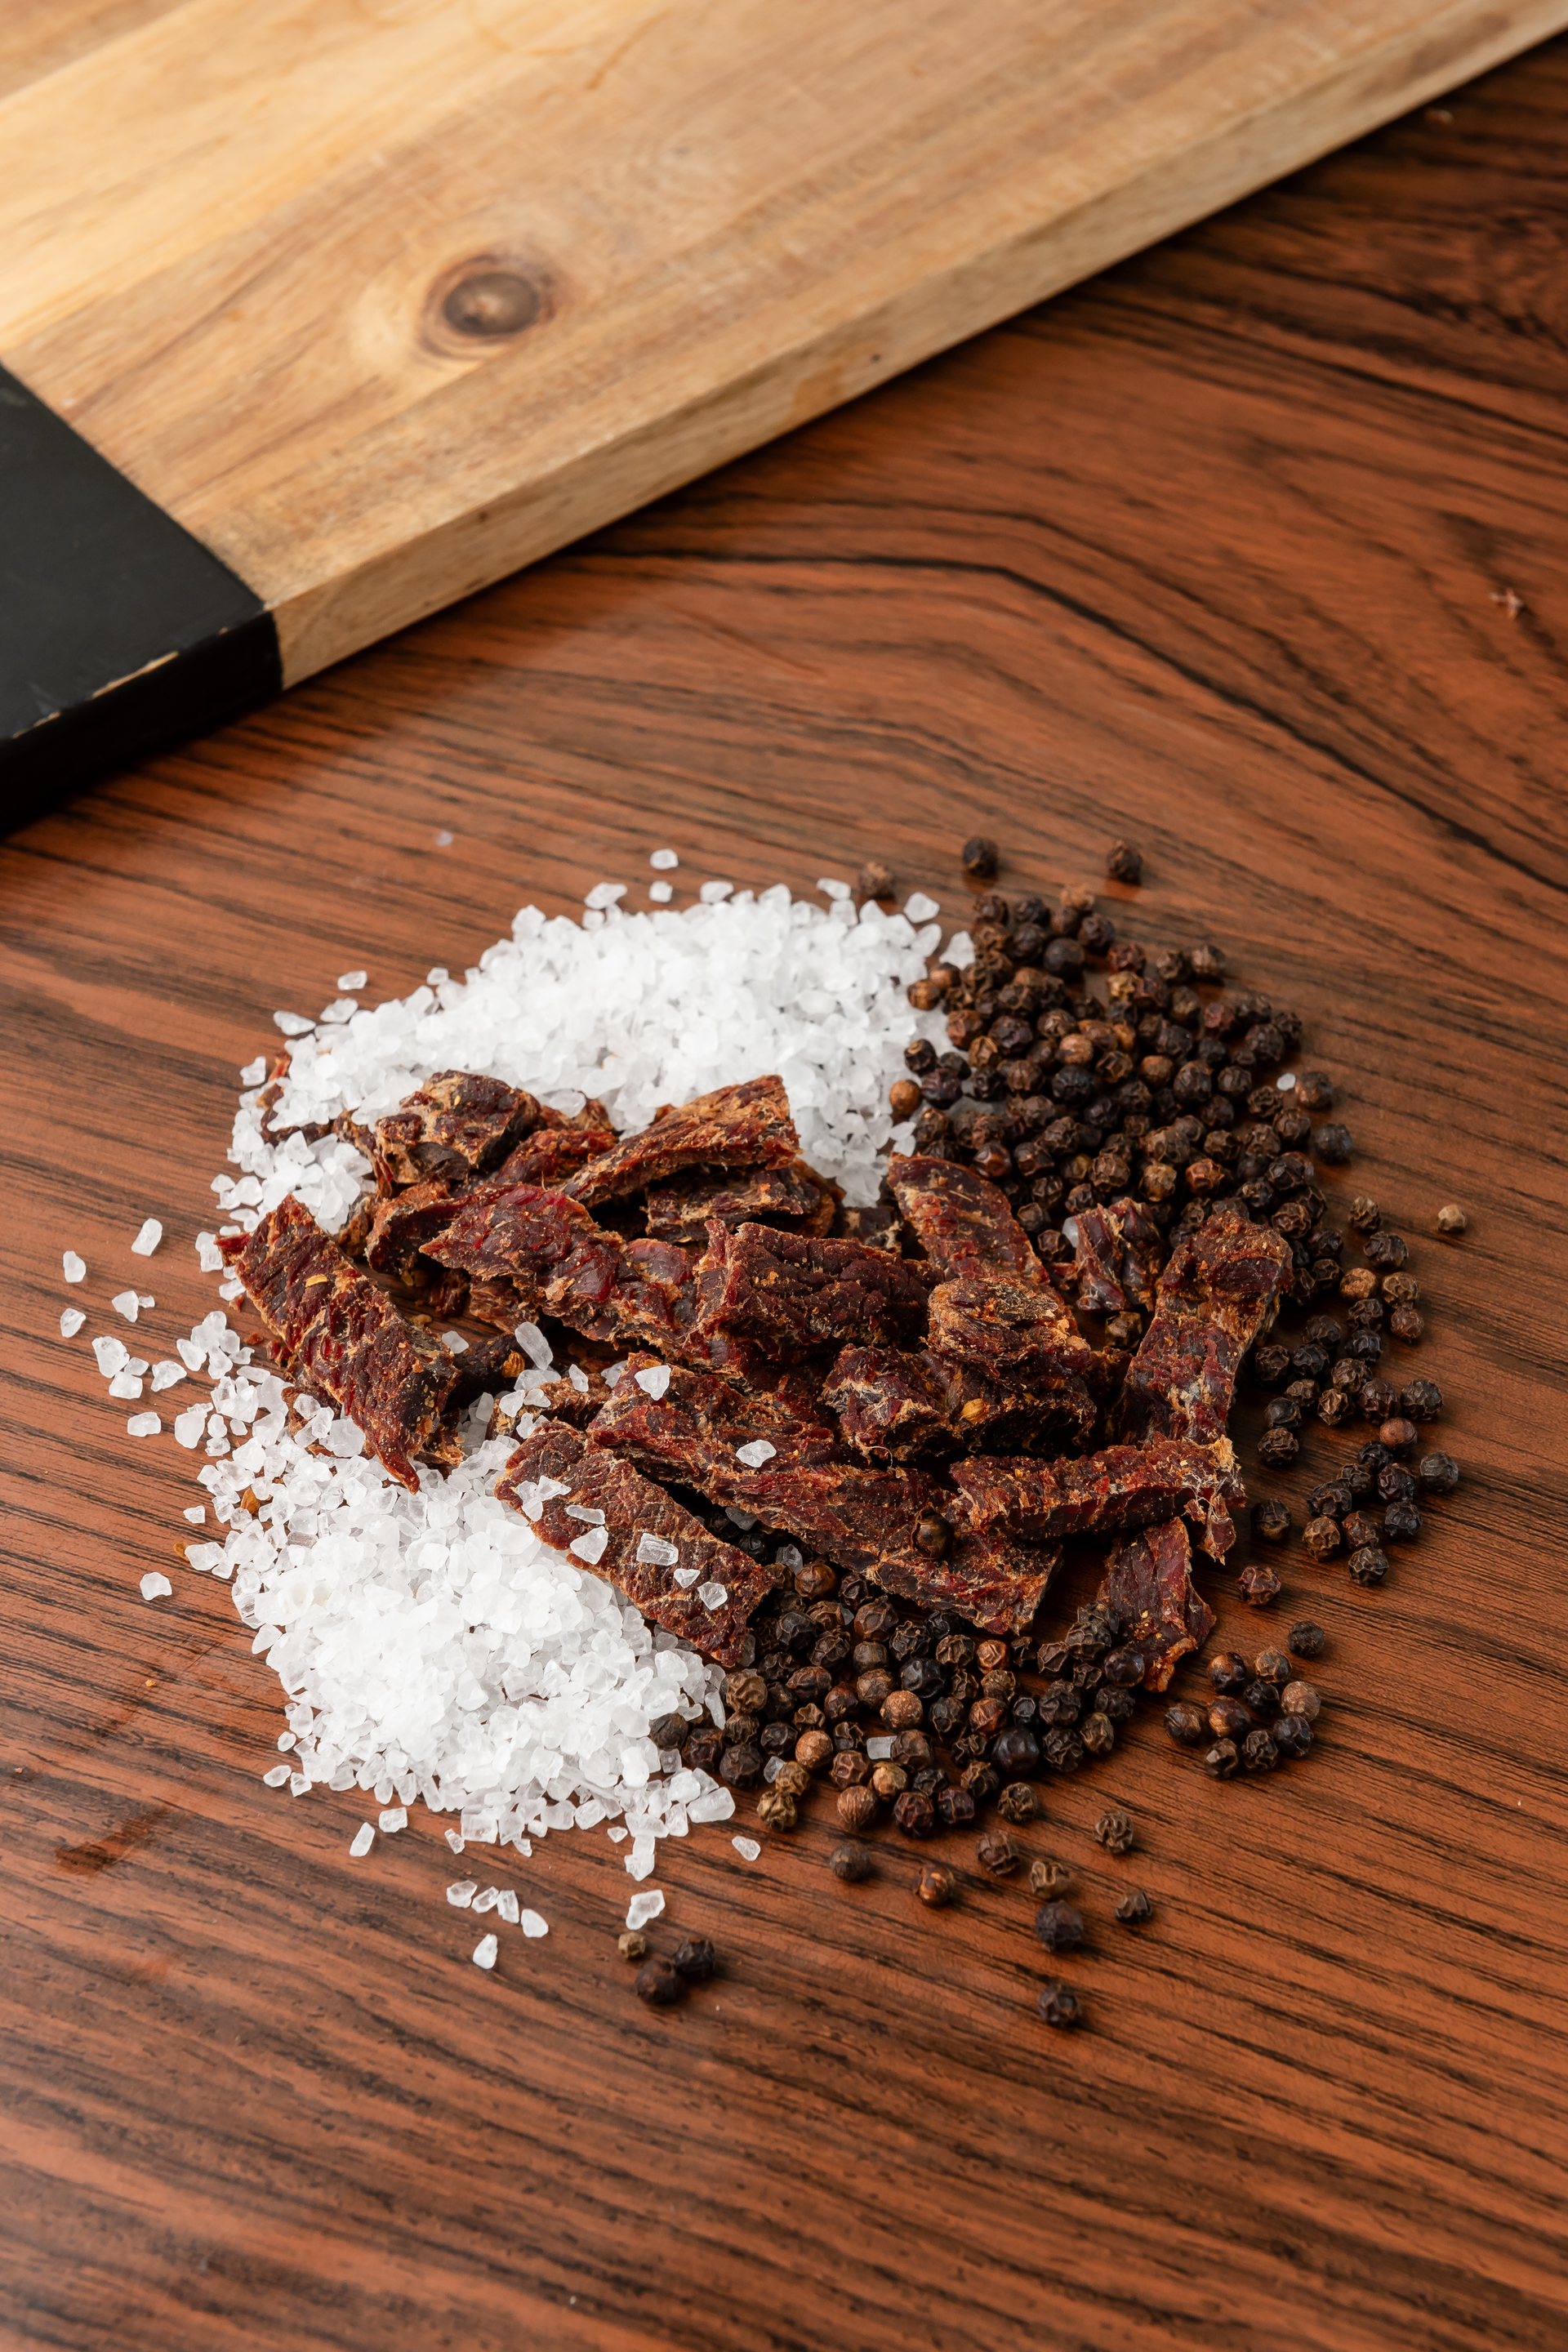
(120,632)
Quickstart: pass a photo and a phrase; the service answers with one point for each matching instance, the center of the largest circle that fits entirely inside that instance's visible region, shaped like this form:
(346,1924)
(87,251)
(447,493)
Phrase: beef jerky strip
(862,1519)
(746,1126)
(1124,1487)
(895,1404)
(344,1340)
(1149,1579)
(557,1466)
(962,1222)
(878,1225)
(792,1292)
(456,1126)
(1220,1290)
(679,1211)
(401,1225)
(559,1145)
(1018,1334)
(1116,1255)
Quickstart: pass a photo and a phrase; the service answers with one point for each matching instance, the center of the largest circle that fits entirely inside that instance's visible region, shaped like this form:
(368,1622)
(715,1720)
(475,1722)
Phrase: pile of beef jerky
(847,1446)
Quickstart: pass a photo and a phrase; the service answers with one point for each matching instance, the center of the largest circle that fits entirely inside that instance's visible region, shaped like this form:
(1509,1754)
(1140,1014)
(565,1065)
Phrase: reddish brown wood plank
(1208,554)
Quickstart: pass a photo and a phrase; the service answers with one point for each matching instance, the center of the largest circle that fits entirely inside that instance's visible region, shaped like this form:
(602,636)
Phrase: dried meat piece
(343,1339)
(633,1508)
(1149,1580)
(746,1126)
(878,1225)
(1220,1291)
(559,1145)
(456,1126)
(791,1292)
(400,1225)
(898,1404)
(864,1521)
(1124,1487)
(964,1226)
(1116,1257)
(1019,1333)
(680,1210)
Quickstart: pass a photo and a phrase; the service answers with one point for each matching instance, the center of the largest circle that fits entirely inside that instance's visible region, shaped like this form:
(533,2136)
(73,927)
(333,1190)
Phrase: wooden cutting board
(378,299)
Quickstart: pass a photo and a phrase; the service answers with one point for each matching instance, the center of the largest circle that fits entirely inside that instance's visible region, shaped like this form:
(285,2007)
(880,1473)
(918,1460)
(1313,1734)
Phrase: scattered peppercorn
(1321,1536)
(851,1862)
(1134,1908)
(777,1809)
(914,1813)
(1272,1666)
(1221,1760)
(1307,1640)
(1115,1831)
(874,879)
(1186,1724)
(1271,1521)
(1258,1752)
(936,1885)
(1400,1523)
(904,1098)
(694,1960)
(1097,1734)
(981,858)
(1059,1927)
(1278,1447)
(1292,1735)
(1049,1878)
(1452,1220)
(1363,1215)
(997,1854)
(1059,2005)
(1438,1473)
(857,1808)
(632,1946)
(1301,1698)
(656,1983)
(1259,1586)
(1018,1801)
(1123,862)
(1369,1565)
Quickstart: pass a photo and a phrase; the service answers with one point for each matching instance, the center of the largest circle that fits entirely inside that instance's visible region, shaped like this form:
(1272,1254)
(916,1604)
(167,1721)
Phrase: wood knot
(486,303)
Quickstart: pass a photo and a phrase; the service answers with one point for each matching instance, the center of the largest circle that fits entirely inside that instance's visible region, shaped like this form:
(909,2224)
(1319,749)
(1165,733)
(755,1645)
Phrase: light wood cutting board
(378,299)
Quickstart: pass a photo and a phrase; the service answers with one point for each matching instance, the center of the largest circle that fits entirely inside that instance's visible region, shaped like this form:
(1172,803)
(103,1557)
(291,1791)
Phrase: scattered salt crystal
(454,1840)
(488,1900)
(639,1861)
(487,1948)
(232,1289)
(71,1320)
(644,1907)
(712,1805)
(605,893)
(755,1455)
(195,1515)
(506,1907)
(75,1269)
(578,1378)
(654,1381)
(299,1783)
(880,1747)
(664,861)
(591,1547)
(112,1356)
(1284,1081)
(772,1769)
(461,1893)
(589,1513)
(616,1834)
(145,1298)
(191,1353)
(165,1374)
(143,1424)
(350,982)
(127,1303)
(393,1817)
(454,1343)
(919,908)
(254,1072)
(362,1841)
(125,1384)
(148,1239)
(276,1776)
(1069,1230)
(743,1519)
(712,1596)
(293,1025)
(686,1577)
(653,1551)
(534,1346)
(832,890)
(209,1257)
(533,1926)
(342,1008)
(661,893)
(711,893)
(155,1586)
(747,1848)
(188,1426)
(790,1555)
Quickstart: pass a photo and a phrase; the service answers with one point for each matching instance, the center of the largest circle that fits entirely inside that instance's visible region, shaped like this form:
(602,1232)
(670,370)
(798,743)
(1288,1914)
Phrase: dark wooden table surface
(1258,551)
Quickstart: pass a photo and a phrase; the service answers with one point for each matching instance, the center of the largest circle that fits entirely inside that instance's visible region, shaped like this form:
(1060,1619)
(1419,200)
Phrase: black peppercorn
(1259,1751)
(1115,1831)
(1186,1724)
(1422,1400)
(1097,1734)
(694,1960)
(1262,1698)
(1229,1672)
(1257,1586)
(1270,1520)
(1015,1752)
(1292,1735)
(936,1885)
(1123,862)
(1222,1759)
(1062,1750)
(1059,1927)
(1321,1536)
(955,1807)
(980,857)
(1134,1908)
(1114,1702)
(1059,2005)
(1307,1640)
(1396,1484)
(656,1983)
(1333,1144)
(1018,1802)
(1438,1473)
(914,1813)
(1400,1523)
(1369,1565)
(1387,1251)
(996,1854)
(1278,1447)
(1230,1718)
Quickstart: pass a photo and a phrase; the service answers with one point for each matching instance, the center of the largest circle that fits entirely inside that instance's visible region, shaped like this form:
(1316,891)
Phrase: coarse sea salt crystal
(654,1381)
(125,1384)
(686,1577)
(148,1239)
(604,895)
(127,1303)
(462,1892)
(350,983)
(276,1776)
(664,861)
(755,1455)
(112,1355)
(661,893)
(644,1907)
(506,1907)
(454,1343)
(880,1747)
(195,1515)
(488,1899)
(74,1268)
(155,1586)
(487,1948)
(831,889)
(392,1818)
(209,1257)
(165,1374)
(533,1926)
(188,1426)
(534,1346)
(713,1805)
(293,1025)
(712,1595)
(713,893)
(919,908)
(143,1424)
(592,1546)
(1284,1081)
(654,1552)
(747,1848)
(253,1074)
(71,1320)
(362,1841)
(456,1841)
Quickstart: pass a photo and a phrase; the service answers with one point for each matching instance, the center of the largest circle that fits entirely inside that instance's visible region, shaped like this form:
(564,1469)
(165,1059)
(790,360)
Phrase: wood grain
(228,236)
(1209,553)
